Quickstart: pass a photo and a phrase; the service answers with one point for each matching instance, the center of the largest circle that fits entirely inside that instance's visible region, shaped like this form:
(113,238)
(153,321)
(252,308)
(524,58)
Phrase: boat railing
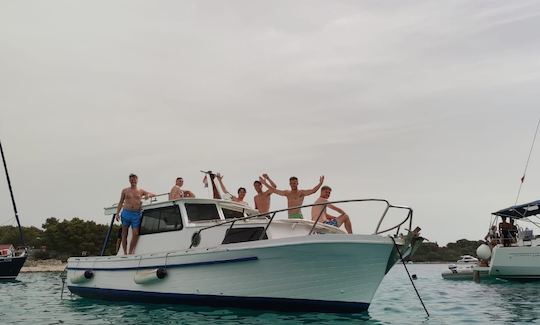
(196,237)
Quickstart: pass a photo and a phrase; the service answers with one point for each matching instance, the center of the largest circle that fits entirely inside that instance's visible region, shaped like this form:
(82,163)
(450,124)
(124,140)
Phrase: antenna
(527,163)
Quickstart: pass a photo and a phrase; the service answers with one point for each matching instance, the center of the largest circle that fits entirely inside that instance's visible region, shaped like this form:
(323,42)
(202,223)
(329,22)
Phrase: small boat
(216,252)
(11,259)
(464,272)
(468,259)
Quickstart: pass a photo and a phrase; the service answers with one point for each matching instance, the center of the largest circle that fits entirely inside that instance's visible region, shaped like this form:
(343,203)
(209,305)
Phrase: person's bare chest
(132,195)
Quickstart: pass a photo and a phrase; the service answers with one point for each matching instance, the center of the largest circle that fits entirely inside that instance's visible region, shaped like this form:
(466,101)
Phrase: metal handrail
(409,216)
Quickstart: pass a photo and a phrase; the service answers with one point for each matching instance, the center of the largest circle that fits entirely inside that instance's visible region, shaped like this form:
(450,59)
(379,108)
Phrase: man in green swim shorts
(295,197)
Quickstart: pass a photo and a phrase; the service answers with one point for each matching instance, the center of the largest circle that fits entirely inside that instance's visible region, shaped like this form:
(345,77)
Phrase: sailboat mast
(21,237)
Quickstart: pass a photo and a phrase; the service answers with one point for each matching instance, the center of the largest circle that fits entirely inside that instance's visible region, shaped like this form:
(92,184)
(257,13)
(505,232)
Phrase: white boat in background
(467,259)
(520,260)
(464,271)
(219,253)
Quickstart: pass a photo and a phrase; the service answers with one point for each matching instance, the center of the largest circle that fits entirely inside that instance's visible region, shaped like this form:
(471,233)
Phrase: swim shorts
(296,216)
(131,218)
(331,222)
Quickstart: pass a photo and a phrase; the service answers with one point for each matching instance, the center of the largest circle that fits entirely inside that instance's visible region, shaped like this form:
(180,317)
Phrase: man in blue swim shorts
(131,218)
(318,212)
(130,203)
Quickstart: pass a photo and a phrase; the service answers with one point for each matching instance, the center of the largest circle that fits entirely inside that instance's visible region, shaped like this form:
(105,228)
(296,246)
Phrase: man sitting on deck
(177,191)
(319,212)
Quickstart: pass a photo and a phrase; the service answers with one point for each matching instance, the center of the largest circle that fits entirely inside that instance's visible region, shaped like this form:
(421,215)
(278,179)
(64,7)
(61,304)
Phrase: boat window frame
(219,213)
(241,212)
(181,223)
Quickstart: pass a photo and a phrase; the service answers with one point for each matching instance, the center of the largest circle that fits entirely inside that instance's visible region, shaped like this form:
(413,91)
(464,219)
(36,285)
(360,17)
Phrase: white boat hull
(325,273)
(516,262)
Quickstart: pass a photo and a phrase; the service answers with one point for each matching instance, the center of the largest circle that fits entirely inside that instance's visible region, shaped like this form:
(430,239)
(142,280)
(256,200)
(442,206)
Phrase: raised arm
(223,188)
(316,188)
(120,204)
(271,188)
(271,182)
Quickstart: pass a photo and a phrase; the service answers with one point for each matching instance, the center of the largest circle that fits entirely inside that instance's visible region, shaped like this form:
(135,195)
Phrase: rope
(527,164)
(412,282)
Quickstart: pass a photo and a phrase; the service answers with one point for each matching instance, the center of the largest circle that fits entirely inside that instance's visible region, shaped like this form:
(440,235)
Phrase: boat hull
(516,263)
(11,266)
(324,273)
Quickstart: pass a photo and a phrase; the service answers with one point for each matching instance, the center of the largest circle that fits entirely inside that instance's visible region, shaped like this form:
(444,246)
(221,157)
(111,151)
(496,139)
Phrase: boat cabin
(172,225)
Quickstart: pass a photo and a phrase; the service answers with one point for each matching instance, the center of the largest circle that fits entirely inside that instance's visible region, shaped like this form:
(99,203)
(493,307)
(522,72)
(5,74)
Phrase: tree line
(431,252)
(62,239)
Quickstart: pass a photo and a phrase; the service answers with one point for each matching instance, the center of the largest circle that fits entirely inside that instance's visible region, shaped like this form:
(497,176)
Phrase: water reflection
(138,313)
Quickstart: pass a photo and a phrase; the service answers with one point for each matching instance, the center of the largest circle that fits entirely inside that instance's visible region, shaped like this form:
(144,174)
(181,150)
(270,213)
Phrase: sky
(428,104)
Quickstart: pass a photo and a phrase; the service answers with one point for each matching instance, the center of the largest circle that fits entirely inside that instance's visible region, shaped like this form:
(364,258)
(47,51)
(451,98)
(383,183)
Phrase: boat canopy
(520,211)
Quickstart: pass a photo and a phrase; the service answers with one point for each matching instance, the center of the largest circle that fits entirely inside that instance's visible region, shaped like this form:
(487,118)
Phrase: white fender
(149,276)
(483,251)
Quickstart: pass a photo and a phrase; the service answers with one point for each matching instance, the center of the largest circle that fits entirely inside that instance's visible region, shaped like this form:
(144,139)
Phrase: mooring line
(412,282)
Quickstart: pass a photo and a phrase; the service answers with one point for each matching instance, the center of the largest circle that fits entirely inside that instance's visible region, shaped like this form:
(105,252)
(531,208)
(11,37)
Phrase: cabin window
(231,214)
(201,212)
(240,235)
(161,220)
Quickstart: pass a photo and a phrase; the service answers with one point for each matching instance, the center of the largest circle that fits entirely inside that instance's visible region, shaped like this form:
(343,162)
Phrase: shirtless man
(262,199)
(177,191)
(241,191)
(295,197)
(325,218)
(130,203)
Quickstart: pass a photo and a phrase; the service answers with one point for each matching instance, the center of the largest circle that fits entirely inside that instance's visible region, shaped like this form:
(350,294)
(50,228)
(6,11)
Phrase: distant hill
(431,252)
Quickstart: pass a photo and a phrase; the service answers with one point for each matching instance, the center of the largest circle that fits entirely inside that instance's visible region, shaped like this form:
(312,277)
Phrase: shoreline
(43,266)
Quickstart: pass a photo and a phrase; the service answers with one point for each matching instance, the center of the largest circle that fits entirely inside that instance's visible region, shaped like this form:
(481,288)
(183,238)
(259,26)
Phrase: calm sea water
(35,298)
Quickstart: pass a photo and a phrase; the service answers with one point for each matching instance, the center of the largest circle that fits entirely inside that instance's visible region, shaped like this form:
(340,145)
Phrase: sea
(36,298)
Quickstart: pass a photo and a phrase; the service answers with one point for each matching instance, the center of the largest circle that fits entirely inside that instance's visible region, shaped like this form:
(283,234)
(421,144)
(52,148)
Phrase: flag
(205,181)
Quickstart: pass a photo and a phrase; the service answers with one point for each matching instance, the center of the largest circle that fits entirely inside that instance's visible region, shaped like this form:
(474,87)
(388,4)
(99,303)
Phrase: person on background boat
(319,212)
(262,199)
(295,197)
(130,203)
(241,191)
(513,230)
(177,191)
(504,228)
(492,236)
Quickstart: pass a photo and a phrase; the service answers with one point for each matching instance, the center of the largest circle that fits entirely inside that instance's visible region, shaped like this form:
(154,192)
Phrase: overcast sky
(430,104)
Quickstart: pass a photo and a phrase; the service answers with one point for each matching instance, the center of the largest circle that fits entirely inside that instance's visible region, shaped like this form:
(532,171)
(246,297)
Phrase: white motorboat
(464,271)
(520,260)
(219,253)
(467,259)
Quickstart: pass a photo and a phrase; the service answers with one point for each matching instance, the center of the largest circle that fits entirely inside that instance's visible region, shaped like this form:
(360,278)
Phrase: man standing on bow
(130,203)
(295,197)
(262,199)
